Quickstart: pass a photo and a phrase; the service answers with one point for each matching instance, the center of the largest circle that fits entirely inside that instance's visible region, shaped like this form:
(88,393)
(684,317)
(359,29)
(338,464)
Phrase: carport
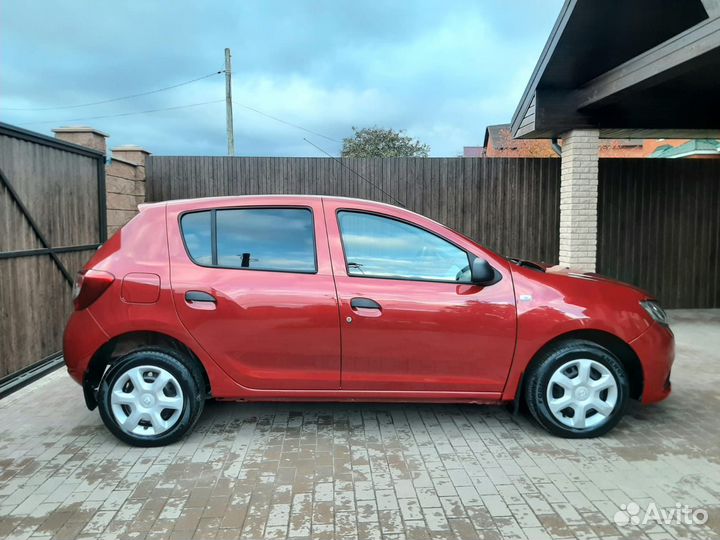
(604,73)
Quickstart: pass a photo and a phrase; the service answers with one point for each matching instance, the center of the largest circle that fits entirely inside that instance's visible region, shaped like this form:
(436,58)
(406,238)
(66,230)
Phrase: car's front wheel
(151,397)
(577,389)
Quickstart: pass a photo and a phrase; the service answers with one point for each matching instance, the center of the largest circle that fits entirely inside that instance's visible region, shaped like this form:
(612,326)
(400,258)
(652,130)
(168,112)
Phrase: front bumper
(656,349)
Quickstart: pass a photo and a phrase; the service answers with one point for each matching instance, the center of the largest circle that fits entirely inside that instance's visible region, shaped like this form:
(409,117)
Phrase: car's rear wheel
(577,389)
(151,397)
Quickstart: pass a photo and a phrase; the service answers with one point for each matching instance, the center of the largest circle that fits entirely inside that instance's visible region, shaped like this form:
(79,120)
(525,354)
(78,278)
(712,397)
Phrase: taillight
(89,286)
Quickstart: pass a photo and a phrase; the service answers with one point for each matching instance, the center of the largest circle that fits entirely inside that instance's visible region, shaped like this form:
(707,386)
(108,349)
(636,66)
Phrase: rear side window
(196,231)
(274,239)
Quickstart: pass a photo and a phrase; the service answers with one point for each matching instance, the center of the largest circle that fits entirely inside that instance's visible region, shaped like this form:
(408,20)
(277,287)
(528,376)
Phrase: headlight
(656,312)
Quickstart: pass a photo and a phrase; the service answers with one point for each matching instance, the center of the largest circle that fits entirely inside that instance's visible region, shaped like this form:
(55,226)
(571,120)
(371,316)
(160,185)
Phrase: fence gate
(52,217)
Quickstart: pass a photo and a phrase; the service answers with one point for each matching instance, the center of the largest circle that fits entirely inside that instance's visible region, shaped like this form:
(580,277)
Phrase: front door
(411,321)
(254,287)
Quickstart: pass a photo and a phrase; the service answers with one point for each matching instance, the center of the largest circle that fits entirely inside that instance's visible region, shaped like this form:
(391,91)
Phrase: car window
(196,232)
(377,246)
(277,239)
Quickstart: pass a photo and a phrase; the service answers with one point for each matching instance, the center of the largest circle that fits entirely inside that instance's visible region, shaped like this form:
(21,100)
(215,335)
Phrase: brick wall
(125,185)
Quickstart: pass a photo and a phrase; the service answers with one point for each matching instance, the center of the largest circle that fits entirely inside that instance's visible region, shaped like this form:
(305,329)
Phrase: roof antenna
(355,172)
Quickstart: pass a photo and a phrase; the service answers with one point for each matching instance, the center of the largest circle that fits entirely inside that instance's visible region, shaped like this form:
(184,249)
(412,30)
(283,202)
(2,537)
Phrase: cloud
(440,70)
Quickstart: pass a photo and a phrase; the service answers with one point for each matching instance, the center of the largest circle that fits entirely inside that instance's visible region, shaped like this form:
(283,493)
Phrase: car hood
(572,273)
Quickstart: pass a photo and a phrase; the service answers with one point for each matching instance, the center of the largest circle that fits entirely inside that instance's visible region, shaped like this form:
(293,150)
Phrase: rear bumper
(656,349)
(83,337)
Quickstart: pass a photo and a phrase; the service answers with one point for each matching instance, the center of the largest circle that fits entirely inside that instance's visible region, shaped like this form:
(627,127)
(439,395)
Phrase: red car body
(294,336)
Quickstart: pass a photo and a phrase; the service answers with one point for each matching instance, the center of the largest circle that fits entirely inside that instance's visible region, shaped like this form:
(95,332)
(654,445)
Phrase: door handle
(365,303)
(199,296)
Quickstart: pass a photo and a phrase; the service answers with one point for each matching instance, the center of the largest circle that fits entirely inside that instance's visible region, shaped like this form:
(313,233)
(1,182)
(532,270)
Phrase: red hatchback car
(291,298)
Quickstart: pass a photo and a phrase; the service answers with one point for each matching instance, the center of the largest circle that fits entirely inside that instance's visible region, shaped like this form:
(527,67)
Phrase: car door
(253,285)
(410,319)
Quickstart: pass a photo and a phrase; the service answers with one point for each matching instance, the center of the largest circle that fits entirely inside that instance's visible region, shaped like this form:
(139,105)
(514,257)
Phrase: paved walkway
(366,471)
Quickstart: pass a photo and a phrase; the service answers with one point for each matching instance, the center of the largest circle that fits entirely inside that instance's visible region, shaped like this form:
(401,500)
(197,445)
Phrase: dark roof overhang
(640,68)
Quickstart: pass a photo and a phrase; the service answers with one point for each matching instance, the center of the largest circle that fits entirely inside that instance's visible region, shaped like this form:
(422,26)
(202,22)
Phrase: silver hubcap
(146,400)
(582,394)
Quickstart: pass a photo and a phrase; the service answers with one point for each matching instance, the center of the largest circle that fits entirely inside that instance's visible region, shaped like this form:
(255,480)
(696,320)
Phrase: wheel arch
(123,344)
(621,349)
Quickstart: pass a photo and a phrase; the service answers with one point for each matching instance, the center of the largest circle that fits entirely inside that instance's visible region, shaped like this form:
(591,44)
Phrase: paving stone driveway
(365,471)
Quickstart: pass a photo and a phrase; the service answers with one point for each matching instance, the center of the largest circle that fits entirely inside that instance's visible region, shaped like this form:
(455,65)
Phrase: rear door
(253,284)
(410,319)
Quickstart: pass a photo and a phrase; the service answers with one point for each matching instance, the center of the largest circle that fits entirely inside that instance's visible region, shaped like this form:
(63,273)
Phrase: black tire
(185,372)
(544,366)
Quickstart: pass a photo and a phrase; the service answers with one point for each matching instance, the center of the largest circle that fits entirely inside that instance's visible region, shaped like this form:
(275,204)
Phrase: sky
(440,70)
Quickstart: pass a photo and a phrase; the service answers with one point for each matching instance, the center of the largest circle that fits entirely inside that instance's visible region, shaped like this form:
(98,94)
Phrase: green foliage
(378,142)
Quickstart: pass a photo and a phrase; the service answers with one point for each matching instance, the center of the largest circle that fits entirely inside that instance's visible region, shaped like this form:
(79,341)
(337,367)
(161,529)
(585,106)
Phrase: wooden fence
(659,220)
(509,205)
(659,227)
(52,217)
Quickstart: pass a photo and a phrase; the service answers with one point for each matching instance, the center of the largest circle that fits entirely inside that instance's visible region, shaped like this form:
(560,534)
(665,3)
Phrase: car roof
(269,198)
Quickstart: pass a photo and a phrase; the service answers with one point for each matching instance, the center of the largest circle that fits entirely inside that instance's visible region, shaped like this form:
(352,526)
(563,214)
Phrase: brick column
(124,173)
(578,199)
(125,185)
(84,136)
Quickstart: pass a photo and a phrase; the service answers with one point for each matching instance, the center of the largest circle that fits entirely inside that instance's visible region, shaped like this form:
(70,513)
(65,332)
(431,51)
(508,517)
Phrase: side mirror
(481,273)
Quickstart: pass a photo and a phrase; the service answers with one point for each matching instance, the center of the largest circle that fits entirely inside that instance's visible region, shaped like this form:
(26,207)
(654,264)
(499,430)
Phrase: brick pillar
(124,173)
(579,199)
(125,184)
(84,136)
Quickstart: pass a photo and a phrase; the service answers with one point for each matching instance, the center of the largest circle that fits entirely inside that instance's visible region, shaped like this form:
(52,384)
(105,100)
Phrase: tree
(378,142)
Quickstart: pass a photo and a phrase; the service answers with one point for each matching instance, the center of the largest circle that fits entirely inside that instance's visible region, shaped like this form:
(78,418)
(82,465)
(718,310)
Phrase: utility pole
(228,103)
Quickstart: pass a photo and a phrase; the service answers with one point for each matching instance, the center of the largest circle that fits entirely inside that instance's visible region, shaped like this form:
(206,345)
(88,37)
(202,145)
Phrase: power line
(355,172)
(132,113)
(150,92)
(65,120)
(285,122)
(125,114)
(131,96)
